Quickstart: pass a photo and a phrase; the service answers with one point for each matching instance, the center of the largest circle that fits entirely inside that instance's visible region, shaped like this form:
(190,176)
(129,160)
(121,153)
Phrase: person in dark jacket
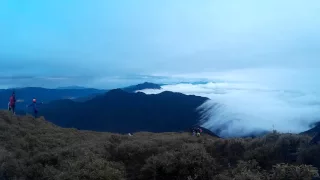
(12,103)
(34,107)
(198,131)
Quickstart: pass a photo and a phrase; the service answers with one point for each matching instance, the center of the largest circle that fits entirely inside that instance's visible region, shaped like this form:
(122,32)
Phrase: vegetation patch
(36,149)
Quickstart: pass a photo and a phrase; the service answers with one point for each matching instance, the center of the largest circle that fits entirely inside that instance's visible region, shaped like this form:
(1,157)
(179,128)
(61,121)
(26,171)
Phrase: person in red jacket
(12,103)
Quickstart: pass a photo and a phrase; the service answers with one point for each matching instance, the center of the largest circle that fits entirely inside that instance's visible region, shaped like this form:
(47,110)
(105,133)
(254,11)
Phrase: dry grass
(36,149)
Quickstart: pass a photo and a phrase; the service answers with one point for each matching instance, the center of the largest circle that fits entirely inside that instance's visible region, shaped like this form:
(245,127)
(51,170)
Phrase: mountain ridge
(120,111)
(25,95)
(145,85)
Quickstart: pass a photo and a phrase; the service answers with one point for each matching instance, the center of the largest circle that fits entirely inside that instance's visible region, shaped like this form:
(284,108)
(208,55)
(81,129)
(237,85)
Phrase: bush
(191,161)
(286,171)
(309,155)
(275,148)
(245,170)
(36,149)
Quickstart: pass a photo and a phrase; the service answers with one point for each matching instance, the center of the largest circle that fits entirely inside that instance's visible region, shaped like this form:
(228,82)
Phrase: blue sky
(109,43)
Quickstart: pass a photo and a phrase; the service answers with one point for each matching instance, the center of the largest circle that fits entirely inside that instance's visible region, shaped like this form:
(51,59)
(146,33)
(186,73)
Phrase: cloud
(243,103)
(155,36)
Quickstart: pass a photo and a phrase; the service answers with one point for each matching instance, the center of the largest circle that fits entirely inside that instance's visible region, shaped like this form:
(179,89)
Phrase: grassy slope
(36,149)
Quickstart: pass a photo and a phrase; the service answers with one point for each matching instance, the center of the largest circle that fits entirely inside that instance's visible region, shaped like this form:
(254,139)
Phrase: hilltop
(145,85)
(75,93)
(37,149)
(25,95)
(124,112)
(129,89)
(314,129)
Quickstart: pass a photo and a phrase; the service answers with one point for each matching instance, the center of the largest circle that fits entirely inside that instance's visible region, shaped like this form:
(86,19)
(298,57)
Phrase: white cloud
(255,100)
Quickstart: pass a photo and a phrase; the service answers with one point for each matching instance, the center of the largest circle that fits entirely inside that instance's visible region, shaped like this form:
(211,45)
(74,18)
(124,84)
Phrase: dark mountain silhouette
(315,139)
(314,131)
(25,95)
(87,98)
(123,112)
(76,93)
(315,128)
(145,85)
(131,89)
(72,87)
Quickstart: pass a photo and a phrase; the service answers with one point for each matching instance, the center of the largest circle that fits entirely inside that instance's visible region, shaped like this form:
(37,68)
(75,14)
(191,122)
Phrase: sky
(260,58)
(114,43)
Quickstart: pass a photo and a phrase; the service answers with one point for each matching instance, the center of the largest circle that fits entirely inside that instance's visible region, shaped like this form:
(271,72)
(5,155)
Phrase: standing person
(193,132)
(34,107)
(198,131)
(12,102)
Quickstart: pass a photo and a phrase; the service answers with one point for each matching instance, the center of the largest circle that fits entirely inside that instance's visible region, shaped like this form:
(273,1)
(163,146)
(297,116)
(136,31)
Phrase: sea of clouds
(255,100)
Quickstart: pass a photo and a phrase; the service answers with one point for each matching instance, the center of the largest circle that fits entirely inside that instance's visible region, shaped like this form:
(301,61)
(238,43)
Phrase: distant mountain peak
(149,84)
(145,85)
(116,91)
(72,87)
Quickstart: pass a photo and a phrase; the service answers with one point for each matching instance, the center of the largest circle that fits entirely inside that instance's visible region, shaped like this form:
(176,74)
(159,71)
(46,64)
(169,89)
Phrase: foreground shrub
(35,149)
(310,155)
(286,171)
(226,152)
(94,170)
(245,170)
(190,162)
(275,148)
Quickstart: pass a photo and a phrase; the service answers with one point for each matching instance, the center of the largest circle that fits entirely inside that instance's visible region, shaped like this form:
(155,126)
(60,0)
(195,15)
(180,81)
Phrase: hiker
(34,106)
(193,131)
(199,131)
(12,103)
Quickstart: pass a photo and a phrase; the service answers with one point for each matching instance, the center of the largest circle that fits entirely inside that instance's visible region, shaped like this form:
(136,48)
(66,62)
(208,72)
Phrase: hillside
(36,149)
(130,89)
(145,85)
(120,111)
(314,129)
(25,95)
(76,93)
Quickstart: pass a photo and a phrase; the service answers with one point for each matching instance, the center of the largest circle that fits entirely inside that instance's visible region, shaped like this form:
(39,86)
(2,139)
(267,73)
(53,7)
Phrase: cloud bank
(251,101)
(115,38)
